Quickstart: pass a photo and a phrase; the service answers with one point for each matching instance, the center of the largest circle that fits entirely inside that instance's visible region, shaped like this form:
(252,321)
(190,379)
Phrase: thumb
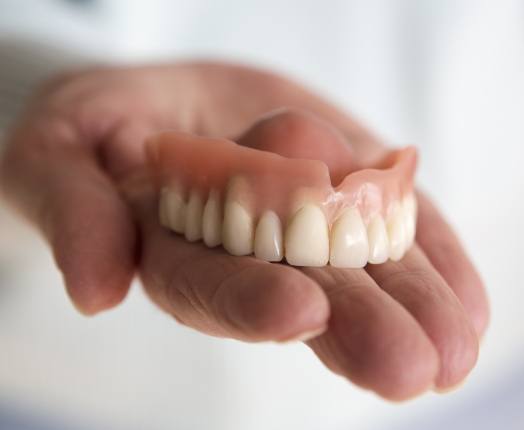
(52,176)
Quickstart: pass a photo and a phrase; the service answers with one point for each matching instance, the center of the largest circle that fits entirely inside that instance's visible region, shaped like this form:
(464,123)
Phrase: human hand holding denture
(248,222)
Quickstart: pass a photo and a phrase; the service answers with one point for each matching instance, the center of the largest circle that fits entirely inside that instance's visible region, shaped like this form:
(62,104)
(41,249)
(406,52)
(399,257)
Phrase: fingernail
(305,335)
(446,390)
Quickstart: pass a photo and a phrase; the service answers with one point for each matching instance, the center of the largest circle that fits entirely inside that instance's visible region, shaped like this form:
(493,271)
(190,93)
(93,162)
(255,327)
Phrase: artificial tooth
(268,237)
(378,241)
(409,206)
(212,220)
(349,241)
(195,207)
(238,229)
(410,202)
(307,238)
(172,209)
(396,234)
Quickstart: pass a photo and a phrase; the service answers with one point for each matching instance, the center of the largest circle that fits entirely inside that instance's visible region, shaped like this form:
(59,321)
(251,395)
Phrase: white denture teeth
(173,209)
(268,237)
(307,238)
(212,220)
(238,227)
(378,241)
(396,233)
(409,206)
(349,241)
(194,210)
(237,232)
(308,204)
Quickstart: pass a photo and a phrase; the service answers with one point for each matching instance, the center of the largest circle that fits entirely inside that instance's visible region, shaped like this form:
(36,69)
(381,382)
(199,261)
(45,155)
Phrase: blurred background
(447,76)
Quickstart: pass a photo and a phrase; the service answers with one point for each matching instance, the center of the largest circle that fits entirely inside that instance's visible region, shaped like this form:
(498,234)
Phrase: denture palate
(253,201)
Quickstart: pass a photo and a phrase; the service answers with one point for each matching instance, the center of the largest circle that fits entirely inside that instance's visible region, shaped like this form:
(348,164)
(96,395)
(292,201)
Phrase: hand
(397,328)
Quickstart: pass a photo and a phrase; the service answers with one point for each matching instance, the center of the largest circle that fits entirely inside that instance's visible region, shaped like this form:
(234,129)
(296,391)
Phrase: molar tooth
(396,234)
(212,220)
(172,209)
(409,206)
(194,216)
(349,241)
(307,238)
(268,237)
(378,241)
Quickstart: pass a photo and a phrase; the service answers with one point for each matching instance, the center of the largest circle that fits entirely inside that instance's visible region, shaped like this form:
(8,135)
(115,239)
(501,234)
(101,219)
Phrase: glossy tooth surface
(173,209)
(409,206)
(238,229)
(212,220)
(396,234)
(268,237)
(349,241)
(378,241)
(307,238)
(195,207)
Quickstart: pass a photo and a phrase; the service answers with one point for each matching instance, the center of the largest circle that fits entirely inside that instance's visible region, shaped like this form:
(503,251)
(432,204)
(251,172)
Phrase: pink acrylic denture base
(271,181)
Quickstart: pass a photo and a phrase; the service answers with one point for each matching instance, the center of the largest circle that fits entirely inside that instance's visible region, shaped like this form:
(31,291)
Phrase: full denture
(252,200)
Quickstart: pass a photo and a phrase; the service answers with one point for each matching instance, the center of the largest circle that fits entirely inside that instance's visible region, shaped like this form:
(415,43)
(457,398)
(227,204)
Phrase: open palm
(74,166)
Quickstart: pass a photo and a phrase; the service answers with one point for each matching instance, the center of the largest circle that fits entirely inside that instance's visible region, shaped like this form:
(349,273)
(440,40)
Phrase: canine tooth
(194,210)
(307,238)
(409,206)
(378,241)
(268,237)
(349,241)
(237,232)
(173,209)
(212,220)
(396,234)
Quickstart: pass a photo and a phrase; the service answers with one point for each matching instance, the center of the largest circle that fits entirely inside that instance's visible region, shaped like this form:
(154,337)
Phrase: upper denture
(275,182)
(253,200)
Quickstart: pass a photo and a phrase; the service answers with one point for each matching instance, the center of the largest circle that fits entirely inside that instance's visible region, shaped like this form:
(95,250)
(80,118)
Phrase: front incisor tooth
(212,220)
(409,206)
(194,210)
(396,234)
(349,241)
(238,229)
(378,241)
(172,210)
(268,237)
(307,238)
